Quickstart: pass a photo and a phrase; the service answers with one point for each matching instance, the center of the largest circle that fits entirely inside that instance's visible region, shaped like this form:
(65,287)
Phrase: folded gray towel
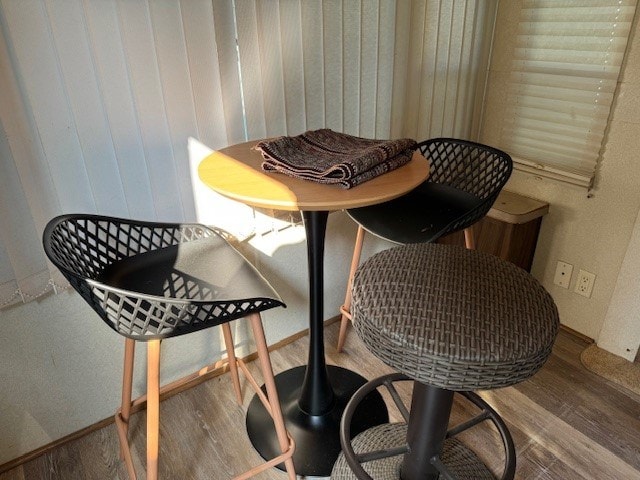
(326,156)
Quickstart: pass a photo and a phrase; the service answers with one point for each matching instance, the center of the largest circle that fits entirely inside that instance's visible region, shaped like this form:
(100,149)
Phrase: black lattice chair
(150,281)
(465,179)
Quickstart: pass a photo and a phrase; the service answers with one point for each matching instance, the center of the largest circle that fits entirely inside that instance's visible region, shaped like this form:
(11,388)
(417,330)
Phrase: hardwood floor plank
(587,403)
(98,455)
(537,463)
(587,458)
(64,462)
(14,474)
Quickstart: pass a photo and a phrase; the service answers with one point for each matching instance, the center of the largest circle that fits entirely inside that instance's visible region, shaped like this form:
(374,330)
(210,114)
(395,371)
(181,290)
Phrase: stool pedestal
(430,410)
(422,447)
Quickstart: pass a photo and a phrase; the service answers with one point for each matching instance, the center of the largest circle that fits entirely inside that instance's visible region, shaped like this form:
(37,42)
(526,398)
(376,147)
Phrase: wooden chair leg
(124,413)
(152,399)
(346,307)
(469,238)
(231,357)
(153,407)
(272,393)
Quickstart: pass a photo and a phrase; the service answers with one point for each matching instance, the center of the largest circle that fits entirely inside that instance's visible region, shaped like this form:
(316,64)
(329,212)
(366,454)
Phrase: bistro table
(314,396)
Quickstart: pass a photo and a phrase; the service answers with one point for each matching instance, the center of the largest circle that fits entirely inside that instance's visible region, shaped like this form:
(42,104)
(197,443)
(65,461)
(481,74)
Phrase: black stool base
(460,460)
(317,437)
(422,449)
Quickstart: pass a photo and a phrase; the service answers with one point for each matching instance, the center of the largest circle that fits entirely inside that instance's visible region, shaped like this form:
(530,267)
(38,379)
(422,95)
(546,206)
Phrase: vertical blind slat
(333,61)
(202,53)
(464,58)
(86,107)
(271,68)
(249,57)
(313,66)
(142,64)
(175,83)
(351,47)
(225,31)
(458,72)
(455,25)
(369,47)
(413,94)
(432,68)
(29,27)
(482,56)
(402,47)
(384,73)
(20,244)
(293,65)
(114,87)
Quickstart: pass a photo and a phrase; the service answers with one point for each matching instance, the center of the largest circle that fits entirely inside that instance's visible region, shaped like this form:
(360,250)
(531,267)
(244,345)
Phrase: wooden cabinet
(510,229)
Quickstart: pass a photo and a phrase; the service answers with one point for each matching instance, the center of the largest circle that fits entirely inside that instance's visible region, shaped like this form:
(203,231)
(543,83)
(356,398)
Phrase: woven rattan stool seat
(460,460)
(453,318)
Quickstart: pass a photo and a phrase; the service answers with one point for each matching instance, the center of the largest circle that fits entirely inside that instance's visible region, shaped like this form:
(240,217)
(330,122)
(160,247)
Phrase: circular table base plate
(460,460)
(317,437)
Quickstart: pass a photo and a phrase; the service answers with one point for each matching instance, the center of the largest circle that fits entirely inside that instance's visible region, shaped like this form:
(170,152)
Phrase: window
(99,98)
(565,68)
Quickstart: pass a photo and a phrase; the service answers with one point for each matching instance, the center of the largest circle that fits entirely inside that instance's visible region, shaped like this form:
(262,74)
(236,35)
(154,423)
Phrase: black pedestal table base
(314,397)
(316,436)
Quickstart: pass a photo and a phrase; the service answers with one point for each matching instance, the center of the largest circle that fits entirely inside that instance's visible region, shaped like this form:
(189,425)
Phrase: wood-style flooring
(567,423)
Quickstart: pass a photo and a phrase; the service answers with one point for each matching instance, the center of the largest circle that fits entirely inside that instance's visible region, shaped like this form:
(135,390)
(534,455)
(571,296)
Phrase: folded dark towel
(326,156)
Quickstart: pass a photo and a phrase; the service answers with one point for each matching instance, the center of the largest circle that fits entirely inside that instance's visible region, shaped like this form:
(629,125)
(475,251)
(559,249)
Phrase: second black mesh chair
(150,281)
(465,179)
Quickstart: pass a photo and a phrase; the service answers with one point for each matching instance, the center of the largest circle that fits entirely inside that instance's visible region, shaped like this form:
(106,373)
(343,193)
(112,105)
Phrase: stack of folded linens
(330,157)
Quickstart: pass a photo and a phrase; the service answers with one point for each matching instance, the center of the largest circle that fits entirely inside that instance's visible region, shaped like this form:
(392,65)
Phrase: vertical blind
(310,64)
(565,68)
(100,97)
(447,46)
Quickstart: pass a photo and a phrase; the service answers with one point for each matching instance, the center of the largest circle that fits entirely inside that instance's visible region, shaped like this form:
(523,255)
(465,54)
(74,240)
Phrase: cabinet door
(515,243)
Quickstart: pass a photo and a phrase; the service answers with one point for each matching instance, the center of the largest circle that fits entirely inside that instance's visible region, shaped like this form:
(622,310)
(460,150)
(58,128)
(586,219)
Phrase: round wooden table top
(236,172)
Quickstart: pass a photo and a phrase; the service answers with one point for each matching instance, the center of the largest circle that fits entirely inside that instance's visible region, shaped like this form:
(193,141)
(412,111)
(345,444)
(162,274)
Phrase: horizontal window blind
(565,69)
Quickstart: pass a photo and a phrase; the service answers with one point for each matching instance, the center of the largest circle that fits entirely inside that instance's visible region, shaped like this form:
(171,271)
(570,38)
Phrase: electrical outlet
(584,283)
(562,278)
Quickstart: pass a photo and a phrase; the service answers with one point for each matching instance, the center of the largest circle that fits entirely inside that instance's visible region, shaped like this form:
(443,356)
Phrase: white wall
(620,333)
(589,233)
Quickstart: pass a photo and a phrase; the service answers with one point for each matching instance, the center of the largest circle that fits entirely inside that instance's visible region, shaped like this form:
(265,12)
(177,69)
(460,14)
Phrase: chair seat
(182,288)
(422,215)
(453,318)
(200,270)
